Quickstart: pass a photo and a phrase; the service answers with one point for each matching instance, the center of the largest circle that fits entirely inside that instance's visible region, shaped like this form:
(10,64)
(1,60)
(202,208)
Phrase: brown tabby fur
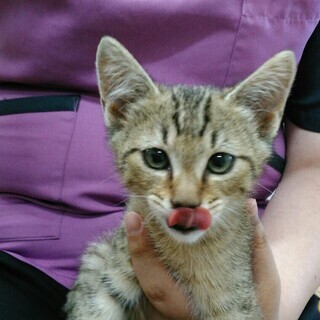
(190,124)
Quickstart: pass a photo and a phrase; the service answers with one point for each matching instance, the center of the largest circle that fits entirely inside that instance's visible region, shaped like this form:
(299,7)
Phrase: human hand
(264,267)
(167,299)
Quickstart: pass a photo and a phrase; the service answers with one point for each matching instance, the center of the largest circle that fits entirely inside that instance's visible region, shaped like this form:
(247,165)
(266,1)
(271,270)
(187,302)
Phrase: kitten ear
(121,79)
(265,92)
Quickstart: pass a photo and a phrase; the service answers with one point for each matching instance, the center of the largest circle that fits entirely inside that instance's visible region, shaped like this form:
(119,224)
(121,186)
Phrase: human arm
(292,222)
(292,219)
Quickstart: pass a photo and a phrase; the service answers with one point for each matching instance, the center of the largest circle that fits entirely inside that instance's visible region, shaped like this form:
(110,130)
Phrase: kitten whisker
(231,210)
(120,204)
(109,178)
(214,206)
(265,188)
(137,196)
(149,216)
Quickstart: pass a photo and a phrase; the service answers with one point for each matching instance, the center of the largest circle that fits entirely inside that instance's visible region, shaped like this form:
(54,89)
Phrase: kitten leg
(81,306)
(106,288)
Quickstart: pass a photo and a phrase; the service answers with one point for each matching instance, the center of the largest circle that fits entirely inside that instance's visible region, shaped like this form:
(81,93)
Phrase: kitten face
(185,154)
(190,154)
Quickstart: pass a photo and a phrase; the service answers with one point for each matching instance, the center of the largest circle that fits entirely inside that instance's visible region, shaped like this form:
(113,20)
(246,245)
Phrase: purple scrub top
(58,186)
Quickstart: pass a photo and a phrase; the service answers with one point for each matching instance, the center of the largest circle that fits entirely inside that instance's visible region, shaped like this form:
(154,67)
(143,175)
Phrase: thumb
(134,230)
(156,283)
(138,242)
(144,260)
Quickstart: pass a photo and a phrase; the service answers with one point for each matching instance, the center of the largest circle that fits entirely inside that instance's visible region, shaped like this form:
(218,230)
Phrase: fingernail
(133,223)
(252,207)
(251,202)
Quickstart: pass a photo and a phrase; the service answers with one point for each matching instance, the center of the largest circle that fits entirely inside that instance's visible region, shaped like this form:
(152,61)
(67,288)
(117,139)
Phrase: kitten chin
(186,236)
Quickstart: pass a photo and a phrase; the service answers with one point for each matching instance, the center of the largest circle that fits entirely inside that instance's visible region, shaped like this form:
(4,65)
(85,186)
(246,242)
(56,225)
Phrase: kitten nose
(186,191)
(191,205)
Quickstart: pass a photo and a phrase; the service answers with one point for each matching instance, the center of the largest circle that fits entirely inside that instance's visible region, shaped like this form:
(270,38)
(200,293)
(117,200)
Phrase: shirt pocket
(35,135)
(22,219)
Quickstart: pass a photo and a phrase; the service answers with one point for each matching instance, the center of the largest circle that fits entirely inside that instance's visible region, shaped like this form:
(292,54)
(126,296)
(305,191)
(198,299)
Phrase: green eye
(220,163)
(156,159)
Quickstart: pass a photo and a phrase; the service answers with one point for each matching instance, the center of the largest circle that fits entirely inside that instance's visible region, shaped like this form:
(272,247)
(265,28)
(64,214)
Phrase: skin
(291,225)
(167,300)
(292,222)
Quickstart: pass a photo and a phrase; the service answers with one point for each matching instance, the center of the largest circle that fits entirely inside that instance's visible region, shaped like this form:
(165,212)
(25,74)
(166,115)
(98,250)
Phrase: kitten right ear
(265,92)
(121,79)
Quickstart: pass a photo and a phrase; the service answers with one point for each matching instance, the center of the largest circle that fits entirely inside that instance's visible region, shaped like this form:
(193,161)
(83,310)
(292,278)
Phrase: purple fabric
(58,187)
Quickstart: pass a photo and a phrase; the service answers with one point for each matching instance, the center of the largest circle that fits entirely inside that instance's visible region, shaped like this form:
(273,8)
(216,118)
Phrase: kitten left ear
(121,79)
(265,92)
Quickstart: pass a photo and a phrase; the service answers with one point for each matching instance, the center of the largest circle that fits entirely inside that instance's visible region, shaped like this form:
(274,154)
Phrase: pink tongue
(186,218)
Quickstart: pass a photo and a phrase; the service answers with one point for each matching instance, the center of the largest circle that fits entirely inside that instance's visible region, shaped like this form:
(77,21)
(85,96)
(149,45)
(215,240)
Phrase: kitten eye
(220,163)
(156,159)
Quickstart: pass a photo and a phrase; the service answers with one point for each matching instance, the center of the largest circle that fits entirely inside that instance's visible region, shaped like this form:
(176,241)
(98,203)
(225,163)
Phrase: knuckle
(156,294)
(140,253)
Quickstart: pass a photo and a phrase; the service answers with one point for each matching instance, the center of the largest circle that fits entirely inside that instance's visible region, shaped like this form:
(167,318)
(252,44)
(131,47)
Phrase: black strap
(277,162)
(303,105)
(27,293)
(40,104)
(312,310)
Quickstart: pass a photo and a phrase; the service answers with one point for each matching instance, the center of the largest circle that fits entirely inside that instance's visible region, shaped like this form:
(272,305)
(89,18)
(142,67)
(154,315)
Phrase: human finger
(159,287)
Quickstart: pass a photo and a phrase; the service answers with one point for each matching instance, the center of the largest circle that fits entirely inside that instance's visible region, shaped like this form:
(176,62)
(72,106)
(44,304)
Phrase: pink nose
(187,218)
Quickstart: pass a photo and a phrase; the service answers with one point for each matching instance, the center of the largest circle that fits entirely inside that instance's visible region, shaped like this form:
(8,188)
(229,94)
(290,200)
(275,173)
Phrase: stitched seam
(67,155)
(275,18)
(234,45)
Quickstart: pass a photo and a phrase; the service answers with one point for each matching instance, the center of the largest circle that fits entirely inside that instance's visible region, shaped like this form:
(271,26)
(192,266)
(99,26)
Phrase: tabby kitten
(189,156)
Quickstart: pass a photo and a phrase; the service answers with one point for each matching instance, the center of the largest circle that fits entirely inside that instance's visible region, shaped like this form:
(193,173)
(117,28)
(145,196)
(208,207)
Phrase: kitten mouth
(186,220)
(184,230)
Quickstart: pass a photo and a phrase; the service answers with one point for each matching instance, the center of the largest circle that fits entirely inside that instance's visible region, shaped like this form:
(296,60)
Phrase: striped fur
(190,124)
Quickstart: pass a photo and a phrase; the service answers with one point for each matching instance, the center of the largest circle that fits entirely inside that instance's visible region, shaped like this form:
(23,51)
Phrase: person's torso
(57,180)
